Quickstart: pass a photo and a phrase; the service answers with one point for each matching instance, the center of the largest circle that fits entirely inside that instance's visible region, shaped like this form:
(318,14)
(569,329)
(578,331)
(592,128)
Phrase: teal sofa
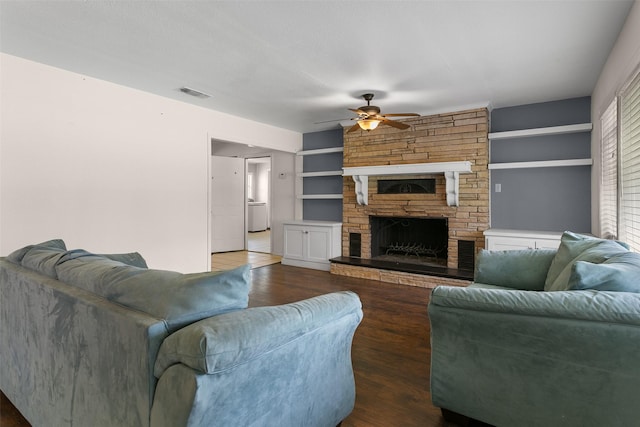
(541,338)
(102,340)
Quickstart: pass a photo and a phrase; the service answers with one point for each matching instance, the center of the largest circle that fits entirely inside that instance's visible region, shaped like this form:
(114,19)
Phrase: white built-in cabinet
(311,244)
(506,240)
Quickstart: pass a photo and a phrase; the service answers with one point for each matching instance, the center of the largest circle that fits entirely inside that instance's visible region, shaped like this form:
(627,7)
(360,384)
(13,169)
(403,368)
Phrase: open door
(228,204)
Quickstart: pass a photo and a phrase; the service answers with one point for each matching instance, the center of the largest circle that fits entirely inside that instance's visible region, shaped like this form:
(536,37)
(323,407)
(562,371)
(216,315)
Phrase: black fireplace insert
(413,240)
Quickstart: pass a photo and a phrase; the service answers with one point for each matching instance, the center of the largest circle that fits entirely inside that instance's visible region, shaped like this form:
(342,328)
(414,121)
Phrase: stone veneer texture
(397,277)
(449,137)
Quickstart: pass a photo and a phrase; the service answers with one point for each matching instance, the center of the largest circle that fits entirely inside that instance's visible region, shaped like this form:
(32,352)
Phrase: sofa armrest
(600,306)
(287,365)
(225,341)
(520,269)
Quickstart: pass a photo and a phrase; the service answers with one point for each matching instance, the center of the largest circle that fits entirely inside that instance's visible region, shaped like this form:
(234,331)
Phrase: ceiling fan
(369,117)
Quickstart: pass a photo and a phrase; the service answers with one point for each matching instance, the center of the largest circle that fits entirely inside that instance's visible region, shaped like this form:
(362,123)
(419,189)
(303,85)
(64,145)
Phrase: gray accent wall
(322,209)
(543,199)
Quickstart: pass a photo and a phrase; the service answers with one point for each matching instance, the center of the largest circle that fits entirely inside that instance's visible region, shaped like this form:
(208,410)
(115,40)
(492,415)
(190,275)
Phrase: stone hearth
(452,137)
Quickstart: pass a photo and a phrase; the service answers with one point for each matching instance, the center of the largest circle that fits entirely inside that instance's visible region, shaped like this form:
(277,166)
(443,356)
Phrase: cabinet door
(509,243)
(294,242)
(318,243)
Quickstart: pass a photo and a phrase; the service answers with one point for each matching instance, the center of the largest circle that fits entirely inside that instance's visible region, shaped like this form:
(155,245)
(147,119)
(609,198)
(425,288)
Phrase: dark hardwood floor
(391,350)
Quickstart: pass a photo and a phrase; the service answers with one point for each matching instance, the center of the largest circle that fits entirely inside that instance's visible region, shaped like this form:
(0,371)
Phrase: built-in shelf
(451,171)
(542,164)
(321,173)
(335,173)
(320,196)
(320,151)
(553,130)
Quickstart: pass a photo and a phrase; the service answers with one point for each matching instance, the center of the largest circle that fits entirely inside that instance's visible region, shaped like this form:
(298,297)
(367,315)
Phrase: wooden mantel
(451,171)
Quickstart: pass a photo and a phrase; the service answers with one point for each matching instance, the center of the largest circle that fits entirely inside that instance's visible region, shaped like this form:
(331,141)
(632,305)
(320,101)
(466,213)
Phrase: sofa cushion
(43,259)
(131,258)
(619,273)
(178,299)
(17,255)
(181,299)
(93,272)
(577,247)
(519,269)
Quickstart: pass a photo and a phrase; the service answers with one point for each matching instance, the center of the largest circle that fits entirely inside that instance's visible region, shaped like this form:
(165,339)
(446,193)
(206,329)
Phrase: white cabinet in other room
(311,244)
(506,240)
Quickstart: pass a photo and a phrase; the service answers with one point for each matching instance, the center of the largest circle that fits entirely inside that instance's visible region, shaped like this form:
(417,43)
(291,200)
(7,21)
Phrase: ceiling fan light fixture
(368,124)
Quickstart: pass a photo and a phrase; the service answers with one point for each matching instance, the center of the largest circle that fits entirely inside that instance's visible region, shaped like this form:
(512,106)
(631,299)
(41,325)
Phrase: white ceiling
(293,63)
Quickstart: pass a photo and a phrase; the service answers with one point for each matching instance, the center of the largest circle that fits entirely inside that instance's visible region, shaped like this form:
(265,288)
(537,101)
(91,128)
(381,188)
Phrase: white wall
(623,62)
(109,168)
(282,196)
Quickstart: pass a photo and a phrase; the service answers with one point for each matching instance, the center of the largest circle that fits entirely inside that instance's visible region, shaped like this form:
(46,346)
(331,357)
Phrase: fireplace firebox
(411,240)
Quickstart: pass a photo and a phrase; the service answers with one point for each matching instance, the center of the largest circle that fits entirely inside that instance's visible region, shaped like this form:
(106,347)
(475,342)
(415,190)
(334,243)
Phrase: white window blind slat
(609,172)
(634,127)
(629,213)
(632,152)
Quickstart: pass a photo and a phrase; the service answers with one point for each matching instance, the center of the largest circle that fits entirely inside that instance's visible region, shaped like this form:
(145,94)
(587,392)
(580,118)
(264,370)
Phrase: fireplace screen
(410,240)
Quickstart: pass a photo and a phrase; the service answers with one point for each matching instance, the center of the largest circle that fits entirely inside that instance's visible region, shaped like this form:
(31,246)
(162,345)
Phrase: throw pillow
(17,255)
(620,273)
(181,299)
(578,247)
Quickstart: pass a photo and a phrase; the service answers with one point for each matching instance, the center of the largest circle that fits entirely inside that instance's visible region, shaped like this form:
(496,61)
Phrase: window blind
(609,172)
(629,209)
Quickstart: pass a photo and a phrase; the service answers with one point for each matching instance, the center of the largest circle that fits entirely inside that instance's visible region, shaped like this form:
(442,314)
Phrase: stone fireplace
(456,204)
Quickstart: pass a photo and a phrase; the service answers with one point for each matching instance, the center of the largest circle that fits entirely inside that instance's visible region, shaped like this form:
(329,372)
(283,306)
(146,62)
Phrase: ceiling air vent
(194,92)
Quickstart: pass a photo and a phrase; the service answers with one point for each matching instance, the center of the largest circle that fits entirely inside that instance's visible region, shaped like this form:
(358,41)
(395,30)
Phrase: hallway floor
(227,260)
(259,241)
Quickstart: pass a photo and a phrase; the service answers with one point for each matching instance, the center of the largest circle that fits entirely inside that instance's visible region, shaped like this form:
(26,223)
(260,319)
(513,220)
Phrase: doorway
(258,191)
(281,189)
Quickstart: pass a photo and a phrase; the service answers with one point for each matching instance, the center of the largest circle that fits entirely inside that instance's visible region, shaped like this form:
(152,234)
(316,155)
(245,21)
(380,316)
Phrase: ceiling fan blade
(394,123)
(353,128)
(358,112)
(401,115)
(335,120)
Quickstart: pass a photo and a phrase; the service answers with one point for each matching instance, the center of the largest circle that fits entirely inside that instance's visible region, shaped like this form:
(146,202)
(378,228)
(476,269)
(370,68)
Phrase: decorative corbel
(452,188)
(362,189)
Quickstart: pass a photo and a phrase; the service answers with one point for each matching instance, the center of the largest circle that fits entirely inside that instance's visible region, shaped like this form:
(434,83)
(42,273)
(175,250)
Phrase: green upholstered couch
(101,340)
(542,337)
